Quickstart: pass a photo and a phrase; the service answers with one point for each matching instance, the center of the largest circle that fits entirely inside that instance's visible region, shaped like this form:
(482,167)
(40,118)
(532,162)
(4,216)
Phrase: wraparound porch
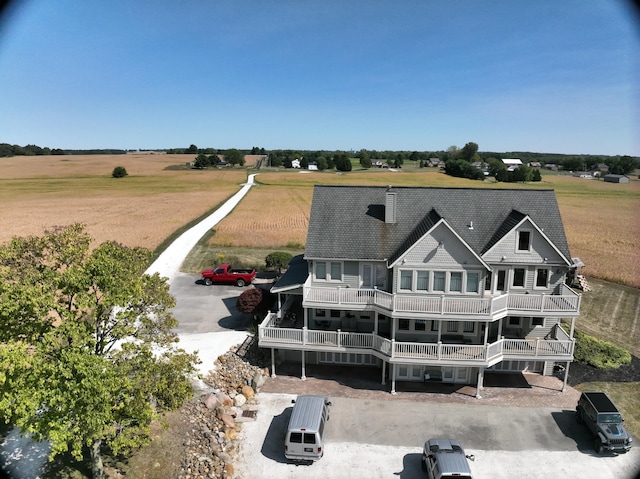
(558,347)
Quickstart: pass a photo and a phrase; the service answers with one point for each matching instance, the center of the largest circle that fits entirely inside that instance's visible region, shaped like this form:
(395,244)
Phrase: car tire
(423,464)
(579,418)
(208,282)
(598,445)
(240,282)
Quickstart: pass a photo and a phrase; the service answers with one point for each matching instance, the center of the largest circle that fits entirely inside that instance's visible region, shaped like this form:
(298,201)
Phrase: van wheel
(423,464)
(598,445)
(579,417)
(208,282)
(240,282)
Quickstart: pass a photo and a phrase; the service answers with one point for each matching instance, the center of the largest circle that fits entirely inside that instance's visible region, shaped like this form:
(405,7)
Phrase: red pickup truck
(226,274)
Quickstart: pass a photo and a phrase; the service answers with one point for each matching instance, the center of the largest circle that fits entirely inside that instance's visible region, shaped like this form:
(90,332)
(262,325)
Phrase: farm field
(600,218)
(161,195)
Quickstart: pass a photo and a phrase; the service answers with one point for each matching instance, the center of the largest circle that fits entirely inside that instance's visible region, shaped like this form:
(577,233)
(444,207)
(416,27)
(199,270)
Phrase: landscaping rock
(215,417)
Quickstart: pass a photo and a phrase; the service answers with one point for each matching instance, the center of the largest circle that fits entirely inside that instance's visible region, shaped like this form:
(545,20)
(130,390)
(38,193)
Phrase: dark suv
(603,419)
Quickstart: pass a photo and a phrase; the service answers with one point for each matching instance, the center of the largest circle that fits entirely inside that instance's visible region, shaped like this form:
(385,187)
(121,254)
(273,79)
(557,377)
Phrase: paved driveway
(209,322)
(383,439)
(206,309)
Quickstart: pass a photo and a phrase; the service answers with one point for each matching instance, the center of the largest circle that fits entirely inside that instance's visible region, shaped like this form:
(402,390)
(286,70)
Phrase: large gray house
(428,284)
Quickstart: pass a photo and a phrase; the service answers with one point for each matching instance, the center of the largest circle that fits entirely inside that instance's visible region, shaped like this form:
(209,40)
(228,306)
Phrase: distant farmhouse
(511,163)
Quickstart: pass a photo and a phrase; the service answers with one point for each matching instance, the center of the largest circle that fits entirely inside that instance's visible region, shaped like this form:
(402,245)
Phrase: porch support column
(479,385)
(375,323)
(486,332)
(566,375)
(273,362)
(304,370)
(279,305)
(393,378)
(384,370)
(306,318)
(573,323)
(394,326)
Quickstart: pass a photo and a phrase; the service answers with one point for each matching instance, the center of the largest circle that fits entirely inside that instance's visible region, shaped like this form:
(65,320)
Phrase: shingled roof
(348,222)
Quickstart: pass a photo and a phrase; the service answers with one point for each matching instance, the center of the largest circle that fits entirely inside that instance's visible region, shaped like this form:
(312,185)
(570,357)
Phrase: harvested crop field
(159,195)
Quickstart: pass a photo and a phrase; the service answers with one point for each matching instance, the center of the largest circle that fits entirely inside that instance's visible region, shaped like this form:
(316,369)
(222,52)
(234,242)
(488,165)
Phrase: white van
(304,440)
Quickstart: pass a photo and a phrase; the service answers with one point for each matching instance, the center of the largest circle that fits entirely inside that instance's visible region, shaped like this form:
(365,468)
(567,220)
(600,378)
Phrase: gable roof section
(347,222)
(512,220)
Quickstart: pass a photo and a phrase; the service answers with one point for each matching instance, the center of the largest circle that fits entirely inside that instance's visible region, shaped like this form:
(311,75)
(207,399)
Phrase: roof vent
(470,225)
(390,206)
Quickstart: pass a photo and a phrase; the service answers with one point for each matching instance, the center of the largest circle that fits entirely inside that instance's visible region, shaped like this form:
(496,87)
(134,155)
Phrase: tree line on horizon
(340,159)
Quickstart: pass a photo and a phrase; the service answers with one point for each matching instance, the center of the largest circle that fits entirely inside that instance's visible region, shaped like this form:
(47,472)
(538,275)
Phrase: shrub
(255,301)
(598,353)
(277,260)
(119,172)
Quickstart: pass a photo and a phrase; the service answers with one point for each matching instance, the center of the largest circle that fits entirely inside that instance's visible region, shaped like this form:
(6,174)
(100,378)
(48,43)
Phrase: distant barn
(616,178)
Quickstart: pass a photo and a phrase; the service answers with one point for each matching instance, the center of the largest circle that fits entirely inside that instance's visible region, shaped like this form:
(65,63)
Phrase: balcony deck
(270,335)
(565,304)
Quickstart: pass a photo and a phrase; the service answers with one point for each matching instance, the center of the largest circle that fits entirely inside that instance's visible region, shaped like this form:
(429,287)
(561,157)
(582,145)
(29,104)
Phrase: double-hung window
(406,277)
(472,282)
(542,278)
(422,283)
(321,270)
(333,274)
(518,277)
(455,282)
(524,240)
(439,281)
(336,271)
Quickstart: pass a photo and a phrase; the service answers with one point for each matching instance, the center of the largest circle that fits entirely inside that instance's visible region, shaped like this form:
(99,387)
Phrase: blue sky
(510,75)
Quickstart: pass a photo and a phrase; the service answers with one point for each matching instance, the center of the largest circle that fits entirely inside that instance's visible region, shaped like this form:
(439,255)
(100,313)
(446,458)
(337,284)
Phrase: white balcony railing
(566,303)
(271,335)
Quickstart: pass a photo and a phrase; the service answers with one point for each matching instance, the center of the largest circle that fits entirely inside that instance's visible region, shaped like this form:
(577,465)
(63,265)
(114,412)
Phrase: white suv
(445,459)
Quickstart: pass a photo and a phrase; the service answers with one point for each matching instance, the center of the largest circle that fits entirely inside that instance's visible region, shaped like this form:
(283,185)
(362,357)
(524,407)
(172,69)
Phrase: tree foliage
(469,151)
(277,260)
(234,157)
(90,341)
(255,301)
(342,162)
(119,172)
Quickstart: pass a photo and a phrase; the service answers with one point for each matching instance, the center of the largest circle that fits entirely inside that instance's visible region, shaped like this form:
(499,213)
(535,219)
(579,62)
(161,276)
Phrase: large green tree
(87,345)
(234,157)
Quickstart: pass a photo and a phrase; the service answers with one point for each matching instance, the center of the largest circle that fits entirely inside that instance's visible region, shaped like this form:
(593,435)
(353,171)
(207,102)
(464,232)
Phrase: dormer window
(524,240)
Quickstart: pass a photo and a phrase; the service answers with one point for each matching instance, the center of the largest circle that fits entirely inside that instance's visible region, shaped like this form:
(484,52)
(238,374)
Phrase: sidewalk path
(169,261)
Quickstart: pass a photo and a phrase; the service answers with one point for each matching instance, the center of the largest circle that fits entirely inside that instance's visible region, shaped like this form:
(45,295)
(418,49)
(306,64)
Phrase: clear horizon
(539,77)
